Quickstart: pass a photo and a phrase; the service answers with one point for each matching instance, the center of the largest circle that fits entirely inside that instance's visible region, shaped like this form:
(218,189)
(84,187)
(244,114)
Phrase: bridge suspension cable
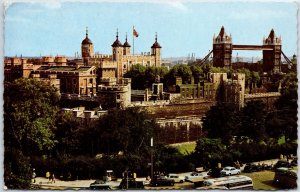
(287,60)
(217,56)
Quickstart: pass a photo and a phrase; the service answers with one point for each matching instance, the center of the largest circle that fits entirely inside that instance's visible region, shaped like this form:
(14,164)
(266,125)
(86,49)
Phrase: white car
(230,171)
(194,177)
(175,177)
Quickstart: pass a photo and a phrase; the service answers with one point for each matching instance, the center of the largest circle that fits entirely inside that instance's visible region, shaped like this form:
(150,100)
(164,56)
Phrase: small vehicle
(161,181)
(294,162)
(100,184)
(251,167)
(110,175)
(282,163)
(266,167)
(214,172)
(175,177)
(286,177)
(195,177)
(227,171)
(230,182)
(131,183)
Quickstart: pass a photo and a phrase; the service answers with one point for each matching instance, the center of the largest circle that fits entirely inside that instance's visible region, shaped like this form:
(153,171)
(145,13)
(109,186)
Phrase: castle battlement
(258,95)
(112,88)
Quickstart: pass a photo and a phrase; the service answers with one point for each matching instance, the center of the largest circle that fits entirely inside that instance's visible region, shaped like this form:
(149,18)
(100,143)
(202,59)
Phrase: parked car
(294,162)
(282,163)
(195,177)
(131,183)
(251,167)
(100,185)
(286,177)
(110,176)
(161,181)
(175,177)
(230,171)
(214,172)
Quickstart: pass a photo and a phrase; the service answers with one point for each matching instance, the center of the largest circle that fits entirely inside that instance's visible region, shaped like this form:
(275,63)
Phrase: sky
(183,27)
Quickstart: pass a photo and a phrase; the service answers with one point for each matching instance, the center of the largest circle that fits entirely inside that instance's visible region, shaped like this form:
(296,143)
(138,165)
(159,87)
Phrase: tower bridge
(271,49)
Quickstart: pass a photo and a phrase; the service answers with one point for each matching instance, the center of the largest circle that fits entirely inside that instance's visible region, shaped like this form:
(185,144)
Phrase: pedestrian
(33,175)
(53,177)
(238,166)
(48,175)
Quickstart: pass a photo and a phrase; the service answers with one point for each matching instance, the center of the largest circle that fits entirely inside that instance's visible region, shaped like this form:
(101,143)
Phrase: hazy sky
(183,27)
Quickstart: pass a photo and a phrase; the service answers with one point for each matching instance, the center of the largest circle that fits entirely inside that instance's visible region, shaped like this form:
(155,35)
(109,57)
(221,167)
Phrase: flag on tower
(135,33)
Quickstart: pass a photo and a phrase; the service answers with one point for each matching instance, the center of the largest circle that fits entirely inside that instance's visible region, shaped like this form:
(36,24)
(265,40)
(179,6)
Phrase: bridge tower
(272,57)
(222,49)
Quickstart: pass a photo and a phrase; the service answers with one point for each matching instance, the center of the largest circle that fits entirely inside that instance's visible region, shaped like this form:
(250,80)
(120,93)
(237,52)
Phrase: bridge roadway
(251,47)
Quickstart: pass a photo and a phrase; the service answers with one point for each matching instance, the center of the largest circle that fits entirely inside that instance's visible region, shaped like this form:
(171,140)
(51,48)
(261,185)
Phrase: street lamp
(151,144)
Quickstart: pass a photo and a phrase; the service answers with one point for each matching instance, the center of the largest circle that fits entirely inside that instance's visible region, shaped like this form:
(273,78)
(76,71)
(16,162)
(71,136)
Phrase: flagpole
(133,40)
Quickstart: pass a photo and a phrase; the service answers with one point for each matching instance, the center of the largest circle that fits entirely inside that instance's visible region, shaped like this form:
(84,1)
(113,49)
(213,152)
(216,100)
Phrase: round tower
(117,48)
(87,48)
(117,53)
(155,51)
(126,47)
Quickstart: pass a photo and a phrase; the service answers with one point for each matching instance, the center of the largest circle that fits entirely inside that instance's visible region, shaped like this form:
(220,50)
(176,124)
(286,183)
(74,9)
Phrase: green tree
(179,70)
(253,121)
(197,71)
(221,121)
(68,135)
(283,121)
(17,171)
(29,115)
(209,150)
(253,80)
(289,95)
(143,77)
(137,75)
(127,130)
(154,75)
(29,122)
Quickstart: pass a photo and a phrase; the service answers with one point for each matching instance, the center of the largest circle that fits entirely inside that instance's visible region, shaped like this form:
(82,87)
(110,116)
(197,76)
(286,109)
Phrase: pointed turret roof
(272,34)
(117,42)
(86,40)
(126,44)
(156,44)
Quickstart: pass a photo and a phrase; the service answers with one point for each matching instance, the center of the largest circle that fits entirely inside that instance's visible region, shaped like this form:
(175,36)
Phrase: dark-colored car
(161,181)
(294,162)
(132,184)
(100,185)
(250,167)
(282,163)
(286,178)
(215,172)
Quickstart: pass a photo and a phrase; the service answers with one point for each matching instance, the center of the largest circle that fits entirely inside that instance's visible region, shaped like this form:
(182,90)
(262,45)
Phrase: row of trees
(37,135)
(143,77)
(252,133)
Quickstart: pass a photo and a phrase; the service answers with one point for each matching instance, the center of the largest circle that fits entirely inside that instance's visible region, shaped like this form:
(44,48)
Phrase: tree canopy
(29,114)
(29,122)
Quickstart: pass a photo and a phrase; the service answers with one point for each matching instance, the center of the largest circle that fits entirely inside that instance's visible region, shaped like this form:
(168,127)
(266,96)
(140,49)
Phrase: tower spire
(117,36)
(86,32)
(155,36)
(126,37)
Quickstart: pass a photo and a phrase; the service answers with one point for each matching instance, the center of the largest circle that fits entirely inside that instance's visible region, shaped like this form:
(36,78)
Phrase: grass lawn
(263,180)
(185,148)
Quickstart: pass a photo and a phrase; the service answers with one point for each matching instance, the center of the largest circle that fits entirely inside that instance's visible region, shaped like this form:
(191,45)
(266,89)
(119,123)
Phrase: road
(261,180)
